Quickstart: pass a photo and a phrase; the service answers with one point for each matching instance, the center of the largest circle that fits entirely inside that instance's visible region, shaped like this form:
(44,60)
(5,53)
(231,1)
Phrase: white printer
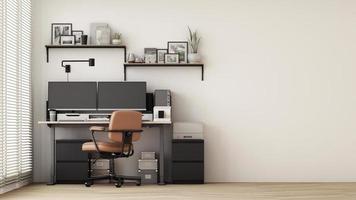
(187,130)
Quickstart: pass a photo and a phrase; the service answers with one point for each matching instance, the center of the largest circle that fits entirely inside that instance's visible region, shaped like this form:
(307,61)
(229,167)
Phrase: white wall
(278,101)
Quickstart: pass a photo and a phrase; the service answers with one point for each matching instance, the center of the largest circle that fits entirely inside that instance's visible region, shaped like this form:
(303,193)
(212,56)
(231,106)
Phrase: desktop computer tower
(162,98)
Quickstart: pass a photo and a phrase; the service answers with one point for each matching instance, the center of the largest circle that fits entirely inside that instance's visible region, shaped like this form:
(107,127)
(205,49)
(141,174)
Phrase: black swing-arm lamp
(67,67)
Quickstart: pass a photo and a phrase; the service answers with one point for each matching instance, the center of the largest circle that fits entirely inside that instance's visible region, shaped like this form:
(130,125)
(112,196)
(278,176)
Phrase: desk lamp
(67,67)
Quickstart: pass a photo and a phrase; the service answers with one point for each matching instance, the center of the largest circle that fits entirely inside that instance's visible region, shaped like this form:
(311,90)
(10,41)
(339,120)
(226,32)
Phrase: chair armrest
(97,128)
(126,130)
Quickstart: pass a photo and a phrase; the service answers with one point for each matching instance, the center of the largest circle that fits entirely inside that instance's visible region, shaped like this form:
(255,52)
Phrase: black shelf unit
(201,65)
(71,162)
(84,46)
(188,161)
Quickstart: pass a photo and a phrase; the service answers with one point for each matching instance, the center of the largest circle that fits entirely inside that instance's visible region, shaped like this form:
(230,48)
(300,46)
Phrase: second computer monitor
(121,95)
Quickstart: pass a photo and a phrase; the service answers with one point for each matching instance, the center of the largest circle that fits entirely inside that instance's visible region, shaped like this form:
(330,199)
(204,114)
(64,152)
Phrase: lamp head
(67,68)
(91,62)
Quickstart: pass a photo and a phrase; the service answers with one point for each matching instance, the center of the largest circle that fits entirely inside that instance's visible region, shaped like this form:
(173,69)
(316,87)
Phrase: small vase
(194,58)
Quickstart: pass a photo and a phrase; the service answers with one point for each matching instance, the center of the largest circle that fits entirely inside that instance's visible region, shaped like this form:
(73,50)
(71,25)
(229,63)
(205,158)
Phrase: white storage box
(99,172)
(187,130)
(100,164)
(148,155)
(148,164)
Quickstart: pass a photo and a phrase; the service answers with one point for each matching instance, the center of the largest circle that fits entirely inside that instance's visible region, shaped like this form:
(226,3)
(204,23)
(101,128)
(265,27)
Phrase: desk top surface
(97,122)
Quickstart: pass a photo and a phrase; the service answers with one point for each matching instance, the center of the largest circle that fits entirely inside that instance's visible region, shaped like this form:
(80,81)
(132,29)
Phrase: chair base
(118,180)
(112,177)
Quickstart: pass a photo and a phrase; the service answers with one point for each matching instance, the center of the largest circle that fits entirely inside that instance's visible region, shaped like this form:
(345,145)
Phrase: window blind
(15,94)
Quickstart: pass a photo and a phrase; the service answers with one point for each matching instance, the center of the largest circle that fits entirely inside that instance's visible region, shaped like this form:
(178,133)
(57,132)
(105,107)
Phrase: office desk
(54,124)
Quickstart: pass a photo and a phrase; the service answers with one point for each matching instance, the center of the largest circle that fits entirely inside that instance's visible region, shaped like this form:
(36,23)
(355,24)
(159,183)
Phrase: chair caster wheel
(118,184)
(88,183)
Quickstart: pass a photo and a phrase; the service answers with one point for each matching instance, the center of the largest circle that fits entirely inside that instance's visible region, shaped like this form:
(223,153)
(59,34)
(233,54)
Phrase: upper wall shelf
(201,65)
(83,46)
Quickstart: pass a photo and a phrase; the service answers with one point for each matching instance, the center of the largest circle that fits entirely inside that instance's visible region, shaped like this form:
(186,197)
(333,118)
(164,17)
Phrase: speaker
(160,114)
(47,111)
(149,102)
(162,98)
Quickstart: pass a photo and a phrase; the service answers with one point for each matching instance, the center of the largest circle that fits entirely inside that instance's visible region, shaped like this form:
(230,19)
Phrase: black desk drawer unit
(71,162)
(188,161)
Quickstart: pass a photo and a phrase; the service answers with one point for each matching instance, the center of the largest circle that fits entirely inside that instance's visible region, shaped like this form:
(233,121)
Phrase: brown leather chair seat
(103,147)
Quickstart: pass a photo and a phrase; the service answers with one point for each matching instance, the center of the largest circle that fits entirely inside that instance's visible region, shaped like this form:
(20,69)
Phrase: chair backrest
(125,120)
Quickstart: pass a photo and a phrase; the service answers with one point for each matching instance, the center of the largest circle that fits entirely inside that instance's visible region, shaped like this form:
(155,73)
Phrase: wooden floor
(236,191)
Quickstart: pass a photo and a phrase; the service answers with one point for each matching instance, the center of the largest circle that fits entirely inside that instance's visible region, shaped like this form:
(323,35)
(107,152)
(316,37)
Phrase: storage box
(100,164)
(148,164)
(99,172)
(148,155)
(148,176)
(187,130)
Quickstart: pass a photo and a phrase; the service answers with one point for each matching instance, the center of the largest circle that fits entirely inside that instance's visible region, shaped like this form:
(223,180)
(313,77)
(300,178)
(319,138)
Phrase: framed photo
(180,48)
(160,55)
(78,36)
(171,58)
(99,33)
(67,40)
(59,29)
(150,55)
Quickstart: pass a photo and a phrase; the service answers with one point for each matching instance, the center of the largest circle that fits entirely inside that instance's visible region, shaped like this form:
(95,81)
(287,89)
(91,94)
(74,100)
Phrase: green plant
(116,36)
(194,40)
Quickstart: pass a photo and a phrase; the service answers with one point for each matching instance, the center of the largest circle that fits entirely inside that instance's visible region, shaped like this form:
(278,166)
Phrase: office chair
(124,128)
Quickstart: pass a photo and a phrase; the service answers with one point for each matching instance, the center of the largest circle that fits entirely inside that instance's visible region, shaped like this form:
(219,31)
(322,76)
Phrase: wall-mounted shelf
(126,65)
(84,46)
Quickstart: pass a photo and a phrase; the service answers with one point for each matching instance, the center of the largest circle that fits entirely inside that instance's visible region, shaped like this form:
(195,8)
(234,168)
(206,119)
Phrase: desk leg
(161,156)
(53,157)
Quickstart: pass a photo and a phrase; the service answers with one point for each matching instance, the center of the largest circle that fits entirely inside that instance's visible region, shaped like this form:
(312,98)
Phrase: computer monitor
(121,95)
(72,95)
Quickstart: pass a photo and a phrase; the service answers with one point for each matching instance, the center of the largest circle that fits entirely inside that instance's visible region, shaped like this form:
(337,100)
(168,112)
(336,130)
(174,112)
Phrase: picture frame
(78,36)
(67,40)
(160,55)
(171,58)
(179,47)
(100,34)
(150,55)
(59,29)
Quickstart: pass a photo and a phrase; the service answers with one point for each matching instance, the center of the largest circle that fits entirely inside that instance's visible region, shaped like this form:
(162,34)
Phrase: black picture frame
(61,32)
(183,58)
(158,51)
(76,37)
(150,55)
(73,39)
(171,54)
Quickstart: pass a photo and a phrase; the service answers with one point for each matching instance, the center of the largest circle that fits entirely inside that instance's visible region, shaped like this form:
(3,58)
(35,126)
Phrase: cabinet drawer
(188,151)
(70,151)
(188,172)
(71,172)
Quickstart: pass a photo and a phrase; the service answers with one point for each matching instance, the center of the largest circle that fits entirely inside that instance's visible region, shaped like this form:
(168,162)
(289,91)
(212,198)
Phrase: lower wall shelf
(126,65)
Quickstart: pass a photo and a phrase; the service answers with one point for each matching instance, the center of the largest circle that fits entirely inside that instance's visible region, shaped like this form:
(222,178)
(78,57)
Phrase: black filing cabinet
(71,162)
(188,161)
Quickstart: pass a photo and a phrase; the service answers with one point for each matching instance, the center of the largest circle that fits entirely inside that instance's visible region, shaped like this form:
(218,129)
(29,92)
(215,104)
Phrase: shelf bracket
(47,54)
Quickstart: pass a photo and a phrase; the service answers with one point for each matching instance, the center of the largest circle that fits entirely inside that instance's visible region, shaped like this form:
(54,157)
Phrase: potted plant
(194,40)
(116,39)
